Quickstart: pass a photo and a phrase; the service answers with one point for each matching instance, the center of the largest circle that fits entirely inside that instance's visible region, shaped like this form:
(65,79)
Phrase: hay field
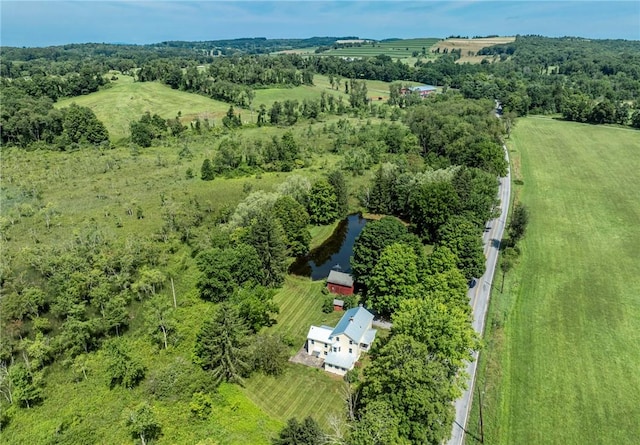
(473,45)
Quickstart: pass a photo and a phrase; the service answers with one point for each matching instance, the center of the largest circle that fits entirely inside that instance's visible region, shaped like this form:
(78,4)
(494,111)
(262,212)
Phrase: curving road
(479,300)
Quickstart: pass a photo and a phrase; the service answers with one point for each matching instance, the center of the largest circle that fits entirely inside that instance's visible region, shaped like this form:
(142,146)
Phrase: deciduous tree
(26,386)
(323,203)
(294,219)
(307,432)
(445,329)
(159,320)
(417,388)
(393,279)
(375,236)
(124,369)
(518,223)
(465,241)
(142,423)
(270,354)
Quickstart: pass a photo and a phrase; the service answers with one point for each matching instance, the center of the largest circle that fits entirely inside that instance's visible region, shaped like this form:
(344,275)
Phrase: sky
(55,22)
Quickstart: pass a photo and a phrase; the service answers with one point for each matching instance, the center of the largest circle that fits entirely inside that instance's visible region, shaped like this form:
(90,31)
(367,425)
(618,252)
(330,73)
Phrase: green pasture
(267,96)
(562,358)
(397,49)
(127,100)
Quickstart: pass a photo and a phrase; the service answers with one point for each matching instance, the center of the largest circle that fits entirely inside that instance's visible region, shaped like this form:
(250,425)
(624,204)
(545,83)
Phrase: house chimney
(350,319)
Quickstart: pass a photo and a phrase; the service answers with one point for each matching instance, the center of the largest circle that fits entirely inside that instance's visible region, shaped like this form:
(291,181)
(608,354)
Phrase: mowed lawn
(301,391)
(569,354)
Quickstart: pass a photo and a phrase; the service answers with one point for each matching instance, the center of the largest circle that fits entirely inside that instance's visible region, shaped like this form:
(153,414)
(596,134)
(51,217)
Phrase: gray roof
(354,323)
(423,88)
(369,336)
(344,279)
(321,334)
(340,359)
(337,302)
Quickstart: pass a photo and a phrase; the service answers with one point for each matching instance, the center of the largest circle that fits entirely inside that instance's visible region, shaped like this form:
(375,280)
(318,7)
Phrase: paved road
(479,300)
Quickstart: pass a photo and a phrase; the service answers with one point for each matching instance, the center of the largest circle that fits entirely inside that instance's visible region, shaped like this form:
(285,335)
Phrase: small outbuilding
(421,90)
(340,283)
(338,305)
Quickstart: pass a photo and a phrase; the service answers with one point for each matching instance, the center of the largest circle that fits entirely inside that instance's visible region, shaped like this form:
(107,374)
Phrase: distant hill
(254,45)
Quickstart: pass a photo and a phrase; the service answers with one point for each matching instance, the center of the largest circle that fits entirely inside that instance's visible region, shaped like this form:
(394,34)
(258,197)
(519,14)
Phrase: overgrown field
(561,366)
(51,197)
(48,195)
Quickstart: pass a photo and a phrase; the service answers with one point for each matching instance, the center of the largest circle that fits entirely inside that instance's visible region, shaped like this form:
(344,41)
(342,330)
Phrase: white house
(341,346)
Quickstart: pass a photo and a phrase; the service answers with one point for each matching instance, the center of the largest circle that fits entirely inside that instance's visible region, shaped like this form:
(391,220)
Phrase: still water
(335,251)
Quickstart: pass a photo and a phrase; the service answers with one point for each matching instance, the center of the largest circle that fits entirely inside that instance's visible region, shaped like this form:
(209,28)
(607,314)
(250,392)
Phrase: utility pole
(481,421)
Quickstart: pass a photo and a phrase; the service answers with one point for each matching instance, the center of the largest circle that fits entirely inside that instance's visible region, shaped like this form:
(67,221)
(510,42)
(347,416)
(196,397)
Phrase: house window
(335,349)
(325,352)
(337,338)
(350,351)
(350,342)
(313,342)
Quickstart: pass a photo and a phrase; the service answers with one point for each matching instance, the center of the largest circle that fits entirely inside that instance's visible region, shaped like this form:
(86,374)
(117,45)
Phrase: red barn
(340,283)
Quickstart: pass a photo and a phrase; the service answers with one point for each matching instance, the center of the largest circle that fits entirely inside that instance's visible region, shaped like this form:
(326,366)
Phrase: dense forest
(164,300)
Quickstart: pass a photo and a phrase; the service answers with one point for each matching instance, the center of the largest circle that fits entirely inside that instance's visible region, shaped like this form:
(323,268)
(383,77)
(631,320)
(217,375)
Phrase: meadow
(127,100)
(562,357)
(48,197)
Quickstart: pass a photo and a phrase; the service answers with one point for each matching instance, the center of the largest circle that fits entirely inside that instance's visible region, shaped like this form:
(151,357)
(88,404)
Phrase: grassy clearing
(127,100)
(562,357)
(267,96)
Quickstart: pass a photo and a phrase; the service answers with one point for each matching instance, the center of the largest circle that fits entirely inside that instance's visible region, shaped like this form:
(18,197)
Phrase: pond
(335,251)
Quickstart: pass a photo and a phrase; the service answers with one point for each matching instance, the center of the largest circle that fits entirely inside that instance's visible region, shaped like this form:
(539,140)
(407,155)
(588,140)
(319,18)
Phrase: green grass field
(563,352)
(127,100)
(397,49)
